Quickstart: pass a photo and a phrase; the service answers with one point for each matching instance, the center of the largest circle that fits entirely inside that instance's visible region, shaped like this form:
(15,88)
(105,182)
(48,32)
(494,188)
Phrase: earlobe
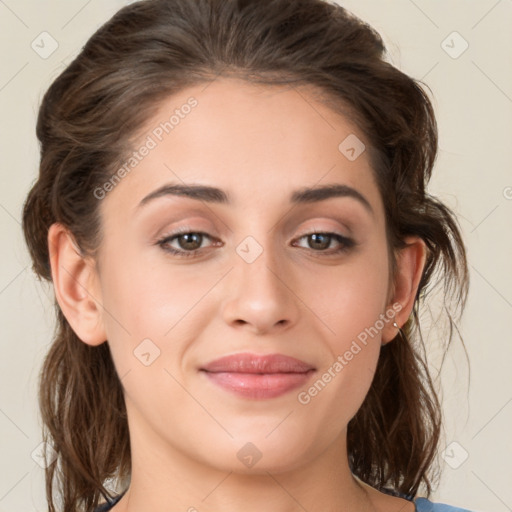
(410,265)
(76,286)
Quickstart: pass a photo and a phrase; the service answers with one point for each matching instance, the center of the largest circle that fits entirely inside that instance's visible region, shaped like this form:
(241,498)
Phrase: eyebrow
(216,195)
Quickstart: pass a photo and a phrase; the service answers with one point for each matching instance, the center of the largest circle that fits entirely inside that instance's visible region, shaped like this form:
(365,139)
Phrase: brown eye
(319,242)
(190,241)
(186,243)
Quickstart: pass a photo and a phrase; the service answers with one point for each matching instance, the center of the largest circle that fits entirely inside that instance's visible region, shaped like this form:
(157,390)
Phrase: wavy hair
(88,121)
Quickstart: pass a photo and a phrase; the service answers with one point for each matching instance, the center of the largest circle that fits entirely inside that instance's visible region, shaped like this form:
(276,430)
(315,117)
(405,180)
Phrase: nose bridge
(257,265)
(258,292)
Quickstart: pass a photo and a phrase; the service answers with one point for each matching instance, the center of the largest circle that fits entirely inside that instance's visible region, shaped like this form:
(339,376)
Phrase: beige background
(473,97)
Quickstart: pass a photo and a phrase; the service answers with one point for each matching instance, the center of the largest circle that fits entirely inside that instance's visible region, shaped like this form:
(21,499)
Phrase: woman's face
(260,282)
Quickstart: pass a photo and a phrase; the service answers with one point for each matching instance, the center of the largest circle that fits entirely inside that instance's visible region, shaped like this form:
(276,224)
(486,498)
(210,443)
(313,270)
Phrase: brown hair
(88,121)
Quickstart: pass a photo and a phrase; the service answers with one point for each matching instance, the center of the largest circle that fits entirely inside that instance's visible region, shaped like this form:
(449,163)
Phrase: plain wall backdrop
(462,51)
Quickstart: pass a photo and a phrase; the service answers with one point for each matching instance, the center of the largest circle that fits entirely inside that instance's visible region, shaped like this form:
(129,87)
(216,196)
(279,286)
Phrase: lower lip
(257,385)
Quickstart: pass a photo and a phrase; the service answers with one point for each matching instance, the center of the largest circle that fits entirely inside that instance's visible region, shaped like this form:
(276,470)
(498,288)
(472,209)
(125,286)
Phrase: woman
(232,209)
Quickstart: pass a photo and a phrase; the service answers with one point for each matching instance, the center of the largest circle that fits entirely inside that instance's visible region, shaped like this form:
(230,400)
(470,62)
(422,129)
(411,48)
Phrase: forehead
(258,141)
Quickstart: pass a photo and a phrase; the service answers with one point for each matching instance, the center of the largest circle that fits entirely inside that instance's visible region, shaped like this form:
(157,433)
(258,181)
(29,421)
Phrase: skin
(258,144)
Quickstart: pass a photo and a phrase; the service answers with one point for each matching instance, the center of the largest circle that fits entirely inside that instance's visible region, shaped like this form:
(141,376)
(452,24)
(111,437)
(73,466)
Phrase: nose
(261,296)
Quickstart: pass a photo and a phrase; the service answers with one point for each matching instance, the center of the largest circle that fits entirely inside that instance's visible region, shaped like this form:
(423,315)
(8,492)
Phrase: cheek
(147,300)
(355,295)
(353,302)
(354,347)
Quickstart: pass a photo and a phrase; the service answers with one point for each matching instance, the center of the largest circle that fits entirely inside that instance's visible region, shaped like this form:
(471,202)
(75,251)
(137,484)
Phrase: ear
(76,286)
(410,264)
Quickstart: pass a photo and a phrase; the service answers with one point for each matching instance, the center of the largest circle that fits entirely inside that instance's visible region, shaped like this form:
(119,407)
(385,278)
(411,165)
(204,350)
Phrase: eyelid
(309,231)
(180,230)
(344,233)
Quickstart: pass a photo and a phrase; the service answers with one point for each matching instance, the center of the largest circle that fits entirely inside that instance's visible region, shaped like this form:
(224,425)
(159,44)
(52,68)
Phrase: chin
(259,455)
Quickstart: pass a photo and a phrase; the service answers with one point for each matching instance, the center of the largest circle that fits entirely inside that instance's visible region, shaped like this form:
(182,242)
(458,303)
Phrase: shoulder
(424,505)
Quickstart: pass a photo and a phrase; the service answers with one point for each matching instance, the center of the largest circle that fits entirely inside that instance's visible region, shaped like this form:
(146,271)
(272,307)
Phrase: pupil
(317,239)
(189,239)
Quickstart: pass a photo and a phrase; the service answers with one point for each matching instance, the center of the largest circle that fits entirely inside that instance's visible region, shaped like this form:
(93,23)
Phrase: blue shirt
(421,504)
(424,505)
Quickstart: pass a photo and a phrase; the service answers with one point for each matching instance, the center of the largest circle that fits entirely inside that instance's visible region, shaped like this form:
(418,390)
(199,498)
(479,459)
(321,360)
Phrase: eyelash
(346,243)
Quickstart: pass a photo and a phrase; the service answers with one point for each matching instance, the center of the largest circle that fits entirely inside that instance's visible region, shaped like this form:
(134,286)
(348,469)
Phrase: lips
(256,376)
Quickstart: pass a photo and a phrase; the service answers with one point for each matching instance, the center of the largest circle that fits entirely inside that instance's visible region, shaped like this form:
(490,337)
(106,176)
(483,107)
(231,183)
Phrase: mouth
(258,377)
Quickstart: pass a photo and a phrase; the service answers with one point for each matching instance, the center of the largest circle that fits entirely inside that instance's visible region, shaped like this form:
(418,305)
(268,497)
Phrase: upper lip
(254,363)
